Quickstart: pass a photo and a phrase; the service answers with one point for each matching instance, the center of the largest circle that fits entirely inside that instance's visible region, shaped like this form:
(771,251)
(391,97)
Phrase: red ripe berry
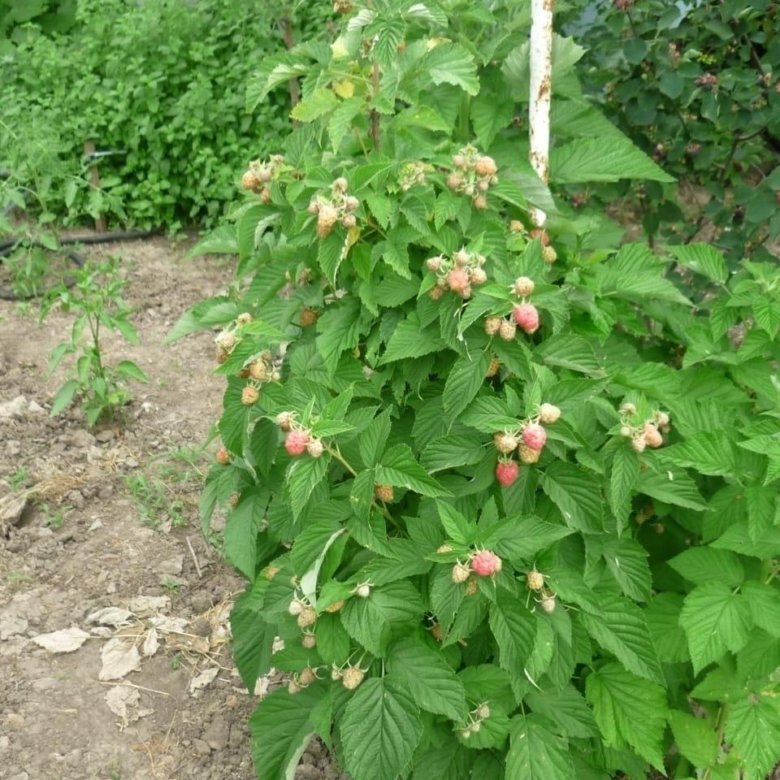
(485,563)
(527,317)
(507,472)
(534,436)
(295,442)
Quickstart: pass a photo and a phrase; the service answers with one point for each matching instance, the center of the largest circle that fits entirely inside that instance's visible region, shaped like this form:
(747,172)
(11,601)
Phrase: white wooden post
(541,93)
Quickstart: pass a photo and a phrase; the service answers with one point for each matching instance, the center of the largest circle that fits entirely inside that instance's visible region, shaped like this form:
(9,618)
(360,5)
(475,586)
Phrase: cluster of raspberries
(227,339)
(333,208)
(524,314)
(459,273)
(529,440)
(474,174)
(646,433)
(483,563)
(414,173)
(298,439)
(260,369)
(259,175)
(549,255)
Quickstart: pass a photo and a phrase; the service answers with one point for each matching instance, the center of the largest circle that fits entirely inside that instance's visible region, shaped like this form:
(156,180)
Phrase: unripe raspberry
(492,325)
(326,219)
(295,608)
(295,442)
(314,447)
(527,317)
(662,418)
(351,677)
(478,276)
(349,221)
(459,160)
(444,549)
(628,408)
(435,293)
(492,370)
(308,617)
(271,572)
(249,395)
(285,420)
(483,185)
(471,587)
(549,255)
(351,203)
(652,436)
(638,443)
(307,317)
(460,573)
(226,340)
(524,286)
(335,673)
(223,456)
(384,493)
(625,430)
(458,282)
(542,234)
(505,442)
(516,226)
(485,166)
(363,590)
(483,712)
(548,604)
(258,371)
(485,563)
(222,355)
(437,632)
(534,436)
(480,202)
(244,318)
(294,687)
(309,641)
(454,180)
(249,181)
(528,455)
(434,263)
(508,330)
(336,606)
(461,258)
(549,414)
(535,580)
(340,184)
(314,206)
(265,195)
(507,473)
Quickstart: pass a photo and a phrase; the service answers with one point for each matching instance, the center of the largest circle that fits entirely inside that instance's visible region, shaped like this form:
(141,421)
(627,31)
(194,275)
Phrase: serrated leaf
(373,439)
(380,730)
(622,478)
(341,120)
(318,102)
(589,160)
(252,636)
(753,729)
(280,726)
(629,710)
(536,753)
(410,340)
(304,476)
(452,451)
(430,679)
(627,562)
(452,63)
(567,709)
(529,536)
(466,377)
(399,468)
(456,526)
(514,629)
(764,603)
(672,488)
(576,494)
(569,351)
(696,739)
(703,259)
(709,453)
(620,628)
(715,620)
(707,564)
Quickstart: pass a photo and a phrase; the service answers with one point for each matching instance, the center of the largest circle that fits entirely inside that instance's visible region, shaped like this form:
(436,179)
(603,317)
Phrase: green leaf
(629,710)
(529,536)
(672,488)
(220,241)
(126,368)
(622,478)
(707,564)
(535,752)
(399,469)
(589,160)
(452,451)
(338,330)
(576,494)
(569,351)
(318,102)
(280,727)
(252,637)
(241,533)
(567,709)
(456,526)
(753,728)
(380,730)
(64,396)
(304,476)
(696,739)
(627,562)
(514,628)
(764,603)
(709,453)
(620,628)
(466,377)
(330,254)
(341,120)
(428,677)
(703,259)
(373,439)
(451,63)
(411,340)
(663,621)
(715,620)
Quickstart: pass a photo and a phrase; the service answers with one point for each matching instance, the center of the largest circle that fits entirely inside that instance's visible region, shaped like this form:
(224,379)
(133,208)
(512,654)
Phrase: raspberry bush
(506,501)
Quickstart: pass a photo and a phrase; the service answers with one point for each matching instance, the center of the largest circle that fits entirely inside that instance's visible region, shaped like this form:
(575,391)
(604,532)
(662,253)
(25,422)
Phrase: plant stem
(374,112)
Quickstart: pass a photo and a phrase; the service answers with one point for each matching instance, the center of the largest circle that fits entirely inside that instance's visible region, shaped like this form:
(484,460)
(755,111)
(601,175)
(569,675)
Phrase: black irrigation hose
(6,247)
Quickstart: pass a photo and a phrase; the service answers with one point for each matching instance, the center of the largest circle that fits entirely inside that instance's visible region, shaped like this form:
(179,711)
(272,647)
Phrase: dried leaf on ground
(110,616)
(119,659)
(205,678)
(66,640)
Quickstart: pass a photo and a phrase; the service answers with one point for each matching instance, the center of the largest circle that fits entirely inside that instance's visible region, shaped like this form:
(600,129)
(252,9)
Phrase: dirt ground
(147,688)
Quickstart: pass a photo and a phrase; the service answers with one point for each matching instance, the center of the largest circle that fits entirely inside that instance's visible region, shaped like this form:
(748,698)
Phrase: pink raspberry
(652,436)
(534,436)
(458,282)
(485,563)
(527,317)
(507,472)
(295,442)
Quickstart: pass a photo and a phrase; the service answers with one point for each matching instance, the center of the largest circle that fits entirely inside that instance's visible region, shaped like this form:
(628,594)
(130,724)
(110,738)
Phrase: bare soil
(111,515)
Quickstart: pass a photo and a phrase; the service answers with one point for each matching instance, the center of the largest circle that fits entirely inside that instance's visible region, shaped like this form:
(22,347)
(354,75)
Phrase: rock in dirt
(216,735)
(119,659)
(11,509)
(13,625)
(14,408)
(205,678)
(172,566)
(66,640)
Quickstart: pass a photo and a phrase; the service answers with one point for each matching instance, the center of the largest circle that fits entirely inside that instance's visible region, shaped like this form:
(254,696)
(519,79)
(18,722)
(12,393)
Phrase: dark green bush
(161,86)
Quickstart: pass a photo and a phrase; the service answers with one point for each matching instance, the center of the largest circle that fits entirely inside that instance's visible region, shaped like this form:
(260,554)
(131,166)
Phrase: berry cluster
(549,255)
(413,174)
(298,439)
(350,676)
(645,434)
(528,439)
(544,596)
(474,174)
(476,716)
(302,680)
(259,174)
(483,563)
(459,273)
(524,314)
(337,207)
(260,369)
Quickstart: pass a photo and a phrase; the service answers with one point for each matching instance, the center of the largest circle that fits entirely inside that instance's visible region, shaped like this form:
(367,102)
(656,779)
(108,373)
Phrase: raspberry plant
(504,512)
